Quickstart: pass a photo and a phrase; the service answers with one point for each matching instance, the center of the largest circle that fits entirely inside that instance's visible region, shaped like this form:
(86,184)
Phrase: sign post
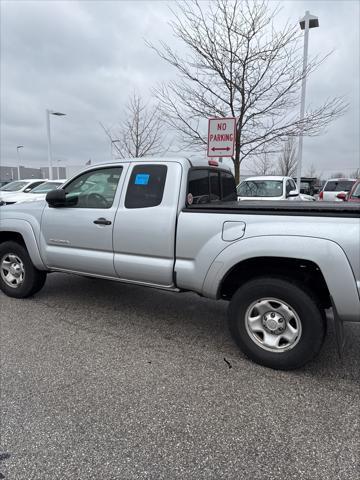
(221,137)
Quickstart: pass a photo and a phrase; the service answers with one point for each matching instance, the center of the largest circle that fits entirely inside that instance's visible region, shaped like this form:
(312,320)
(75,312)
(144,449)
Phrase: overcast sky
(84,58)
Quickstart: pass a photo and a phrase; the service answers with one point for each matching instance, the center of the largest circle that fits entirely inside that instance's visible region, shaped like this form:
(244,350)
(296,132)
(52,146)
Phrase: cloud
(85,57)
(338,148)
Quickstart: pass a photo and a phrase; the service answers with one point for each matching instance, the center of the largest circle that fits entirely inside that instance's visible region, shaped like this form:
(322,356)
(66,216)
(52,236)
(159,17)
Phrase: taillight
(321,195)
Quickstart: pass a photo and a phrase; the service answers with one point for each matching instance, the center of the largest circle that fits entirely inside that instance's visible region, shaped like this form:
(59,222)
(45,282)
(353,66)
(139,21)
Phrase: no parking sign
(221,137)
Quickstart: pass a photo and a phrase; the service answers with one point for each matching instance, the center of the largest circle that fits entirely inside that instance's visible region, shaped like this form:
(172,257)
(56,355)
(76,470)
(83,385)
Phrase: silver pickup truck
(175,224)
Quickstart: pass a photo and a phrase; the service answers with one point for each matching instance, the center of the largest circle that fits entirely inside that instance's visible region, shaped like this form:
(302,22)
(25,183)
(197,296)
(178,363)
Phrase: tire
(26,280)
(277,323)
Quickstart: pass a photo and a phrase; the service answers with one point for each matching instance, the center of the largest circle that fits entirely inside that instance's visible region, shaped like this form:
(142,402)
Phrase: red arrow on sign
(217,149)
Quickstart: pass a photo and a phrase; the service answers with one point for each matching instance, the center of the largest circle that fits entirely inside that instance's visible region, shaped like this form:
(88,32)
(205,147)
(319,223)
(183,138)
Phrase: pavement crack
(228,363)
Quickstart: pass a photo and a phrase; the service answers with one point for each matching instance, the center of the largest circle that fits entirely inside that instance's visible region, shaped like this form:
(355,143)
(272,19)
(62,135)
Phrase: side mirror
(292,193)
(341,196)
(27,190)
(56,198)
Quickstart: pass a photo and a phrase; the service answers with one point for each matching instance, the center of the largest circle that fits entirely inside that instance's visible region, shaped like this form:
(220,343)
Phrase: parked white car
(39,193)
(334,186)
(9,191)
(270,188)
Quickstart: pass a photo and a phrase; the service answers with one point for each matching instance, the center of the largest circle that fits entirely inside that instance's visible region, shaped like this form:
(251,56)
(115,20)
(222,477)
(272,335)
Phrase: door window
(288,187)
(146,186)
(293,185)
(94,189)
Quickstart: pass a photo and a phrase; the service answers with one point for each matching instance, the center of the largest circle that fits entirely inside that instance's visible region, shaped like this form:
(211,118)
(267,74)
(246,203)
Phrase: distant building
(11,173)
(58,172)
(74,169)
(8,173)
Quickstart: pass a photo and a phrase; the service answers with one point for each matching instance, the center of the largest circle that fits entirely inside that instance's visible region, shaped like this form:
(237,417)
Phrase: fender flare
(326,254)
(24,228)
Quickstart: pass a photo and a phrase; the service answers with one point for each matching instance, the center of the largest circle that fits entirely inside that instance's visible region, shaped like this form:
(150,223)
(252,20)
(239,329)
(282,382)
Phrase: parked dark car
(309,185)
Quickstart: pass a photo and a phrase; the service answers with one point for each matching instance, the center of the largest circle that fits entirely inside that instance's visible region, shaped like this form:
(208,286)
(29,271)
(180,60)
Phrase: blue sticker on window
(142,179)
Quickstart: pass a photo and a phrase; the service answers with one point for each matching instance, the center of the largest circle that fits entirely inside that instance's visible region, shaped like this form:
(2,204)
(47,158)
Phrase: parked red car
(353,195)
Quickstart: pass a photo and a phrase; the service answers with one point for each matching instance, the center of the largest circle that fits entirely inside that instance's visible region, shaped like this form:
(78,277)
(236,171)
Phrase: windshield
(339,185)
(46,187)
(260,188)
(356,192)
(13,187)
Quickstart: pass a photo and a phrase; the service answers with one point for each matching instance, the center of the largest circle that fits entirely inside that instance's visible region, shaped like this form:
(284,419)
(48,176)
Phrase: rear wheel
(276,323)
(18,276)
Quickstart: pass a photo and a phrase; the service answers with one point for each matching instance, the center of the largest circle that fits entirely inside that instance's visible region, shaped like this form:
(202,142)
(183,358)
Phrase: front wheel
(276,323)
(18,276)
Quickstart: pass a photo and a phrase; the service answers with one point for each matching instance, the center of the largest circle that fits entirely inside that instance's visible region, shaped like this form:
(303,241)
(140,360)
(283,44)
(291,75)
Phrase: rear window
(215,186)
(228,187)
(199,186)
(207,185)
(339,186)
(146,186)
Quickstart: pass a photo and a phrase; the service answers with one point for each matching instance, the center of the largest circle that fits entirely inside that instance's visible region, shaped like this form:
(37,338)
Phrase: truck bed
(254,207)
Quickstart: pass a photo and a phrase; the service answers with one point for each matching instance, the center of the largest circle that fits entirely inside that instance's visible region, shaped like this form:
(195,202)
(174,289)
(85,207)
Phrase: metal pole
(18,159)
(303,93)
(49,143)
(18,167)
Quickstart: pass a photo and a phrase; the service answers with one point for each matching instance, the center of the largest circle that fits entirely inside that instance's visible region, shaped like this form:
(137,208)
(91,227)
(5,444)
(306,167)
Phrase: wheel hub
(12,270)
(273,322)
(15,269)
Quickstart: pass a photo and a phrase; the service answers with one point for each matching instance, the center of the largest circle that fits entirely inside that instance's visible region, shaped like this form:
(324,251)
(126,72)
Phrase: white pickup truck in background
(271,187)
(175,224)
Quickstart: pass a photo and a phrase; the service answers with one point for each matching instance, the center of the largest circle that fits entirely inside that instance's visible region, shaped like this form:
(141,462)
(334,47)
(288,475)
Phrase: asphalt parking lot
(107,381)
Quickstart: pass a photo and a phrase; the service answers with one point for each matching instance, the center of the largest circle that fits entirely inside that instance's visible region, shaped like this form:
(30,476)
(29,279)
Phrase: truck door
(144,229)
(78,236)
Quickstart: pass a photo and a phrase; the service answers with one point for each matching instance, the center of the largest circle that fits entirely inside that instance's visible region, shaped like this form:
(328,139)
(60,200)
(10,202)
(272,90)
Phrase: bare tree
(238,64)
(263,165)
(311,172)
(288,159)
(355,173)
(140,133)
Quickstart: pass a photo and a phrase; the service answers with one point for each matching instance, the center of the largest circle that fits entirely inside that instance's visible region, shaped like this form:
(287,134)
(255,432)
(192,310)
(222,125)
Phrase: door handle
(102,221)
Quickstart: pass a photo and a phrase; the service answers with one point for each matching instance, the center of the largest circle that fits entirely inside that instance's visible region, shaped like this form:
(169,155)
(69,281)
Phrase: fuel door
(232,231)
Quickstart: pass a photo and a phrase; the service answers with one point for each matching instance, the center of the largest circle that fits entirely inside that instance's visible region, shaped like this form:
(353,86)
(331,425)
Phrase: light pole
(307,22)
(48,113)
(18,159)
(112,145)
